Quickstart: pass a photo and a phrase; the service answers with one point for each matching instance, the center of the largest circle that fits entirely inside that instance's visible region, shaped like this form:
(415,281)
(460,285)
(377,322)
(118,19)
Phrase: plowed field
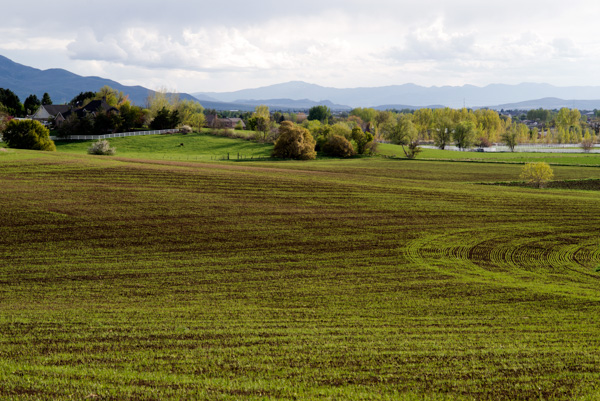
(125,279)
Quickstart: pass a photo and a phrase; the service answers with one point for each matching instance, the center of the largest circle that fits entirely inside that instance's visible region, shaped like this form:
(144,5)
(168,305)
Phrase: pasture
(138,278)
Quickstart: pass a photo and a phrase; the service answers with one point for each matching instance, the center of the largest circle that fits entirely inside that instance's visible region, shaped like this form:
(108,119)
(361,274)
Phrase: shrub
(372,148)
(294,142)
(338,146)
(27,134)
(185,129)
(101,147)
(537,173)
(413,150)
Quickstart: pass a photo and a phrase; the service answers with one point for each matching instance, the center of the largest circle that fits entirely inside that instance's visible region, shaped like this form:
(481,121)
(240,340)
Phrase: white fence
(532,147)
(116,135)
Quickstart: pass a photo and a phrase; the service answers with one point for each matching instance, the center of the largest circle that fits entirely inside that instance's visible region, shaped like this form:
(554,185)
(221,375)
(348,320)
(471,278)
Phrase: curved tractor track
(561,263)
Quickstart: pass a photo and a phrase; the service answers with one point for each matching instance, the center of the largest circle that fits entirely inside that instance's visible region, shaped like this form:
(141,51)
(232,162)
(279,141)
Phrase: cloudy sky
(197,46)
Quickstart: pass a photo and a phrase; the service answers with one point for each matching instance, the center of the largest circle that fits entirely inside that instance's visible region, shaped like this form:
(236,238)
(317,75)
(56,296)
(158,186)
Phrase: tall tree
(568,118)
(321,113)
(31,104)
(510,137)
(261,120)
(442,127)
(11,102)
(46,99)
(82,99)
(464,134)
(402,131)
(112,96)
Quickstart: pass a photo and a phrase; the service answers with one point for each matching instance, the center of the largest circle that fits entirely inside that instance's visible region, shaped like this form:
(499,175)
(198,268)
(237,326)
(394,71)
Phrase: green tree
(111,96)
(362,140)
(131,117)
(568,118)
(82,99)
(489,124)
(261,120)
(105,123)
(27,134)
(321,113)
(423,120)
(165,119)
(191,113)
(367,114)
(11,102)
(443,127)
(510,137)
(464,134)
(539,115)
(46,99)
(537,173)
(402,131)
(294,142)
(31,104)
(343,129)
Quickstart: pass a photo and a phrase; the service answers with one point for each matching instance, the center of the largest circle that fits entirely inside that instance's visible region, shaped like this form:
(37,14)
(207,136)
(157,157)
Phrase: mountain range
(63,85)
(415,96)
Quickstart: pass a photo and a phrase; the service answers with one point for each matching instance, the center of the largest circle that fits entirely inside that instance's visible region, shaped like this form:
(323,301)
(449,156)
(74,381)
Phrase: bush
(101,147)
(372,148)
(185,129)
(537,173)
(413,150)
(338,146)
(27,134)
(294,142)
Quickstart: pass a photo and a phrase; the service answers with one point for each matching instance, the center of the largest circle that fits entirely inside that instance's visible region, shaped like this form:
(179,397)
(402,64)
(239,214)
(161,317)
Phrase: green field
(195,147)
(144,277)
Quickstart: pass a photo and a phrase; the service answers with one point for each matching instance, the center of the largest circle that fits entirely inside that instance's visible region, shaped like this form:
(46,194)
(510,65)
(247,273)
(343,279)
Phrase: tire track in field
(545,261)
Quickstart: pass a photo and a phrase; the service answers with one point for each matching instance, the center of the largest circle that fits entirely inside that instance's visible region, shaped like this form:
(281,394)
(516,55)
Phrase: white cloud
(434,43)
(199,46)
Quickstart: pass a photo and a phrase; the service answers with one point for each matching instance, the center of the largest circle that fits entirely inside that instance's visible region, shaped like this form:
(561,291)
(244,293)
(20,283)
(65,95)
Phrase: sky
(199,46)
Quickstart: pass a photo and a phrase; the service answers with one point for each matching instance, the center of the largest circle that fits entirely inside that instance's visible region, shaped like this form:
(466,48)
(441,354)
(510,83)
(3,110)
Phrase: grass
(142,279)
(195,147)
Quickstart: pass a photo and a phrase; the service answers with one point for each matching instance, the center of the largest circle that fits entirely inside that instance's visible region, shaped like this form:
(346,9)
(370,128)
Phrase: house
(47,112)
(232,122)
(92,108)
(213,121)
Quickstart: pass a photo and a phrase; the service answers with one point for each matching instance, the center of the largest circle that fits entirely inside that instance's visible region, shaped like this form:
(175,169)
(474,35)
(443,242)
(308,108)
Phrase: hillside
(62,85)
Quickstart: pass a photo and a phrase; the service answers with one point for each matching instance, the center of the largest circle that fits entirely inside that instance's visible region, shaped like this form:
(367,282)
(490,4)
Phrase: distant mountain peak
(62,85)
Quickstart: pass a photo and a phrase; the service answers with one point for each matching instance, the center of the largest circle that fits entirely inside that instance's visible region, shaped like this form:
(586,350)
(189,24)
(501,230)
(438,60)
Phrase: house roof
(54,109)
(92,107)
(97,105)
